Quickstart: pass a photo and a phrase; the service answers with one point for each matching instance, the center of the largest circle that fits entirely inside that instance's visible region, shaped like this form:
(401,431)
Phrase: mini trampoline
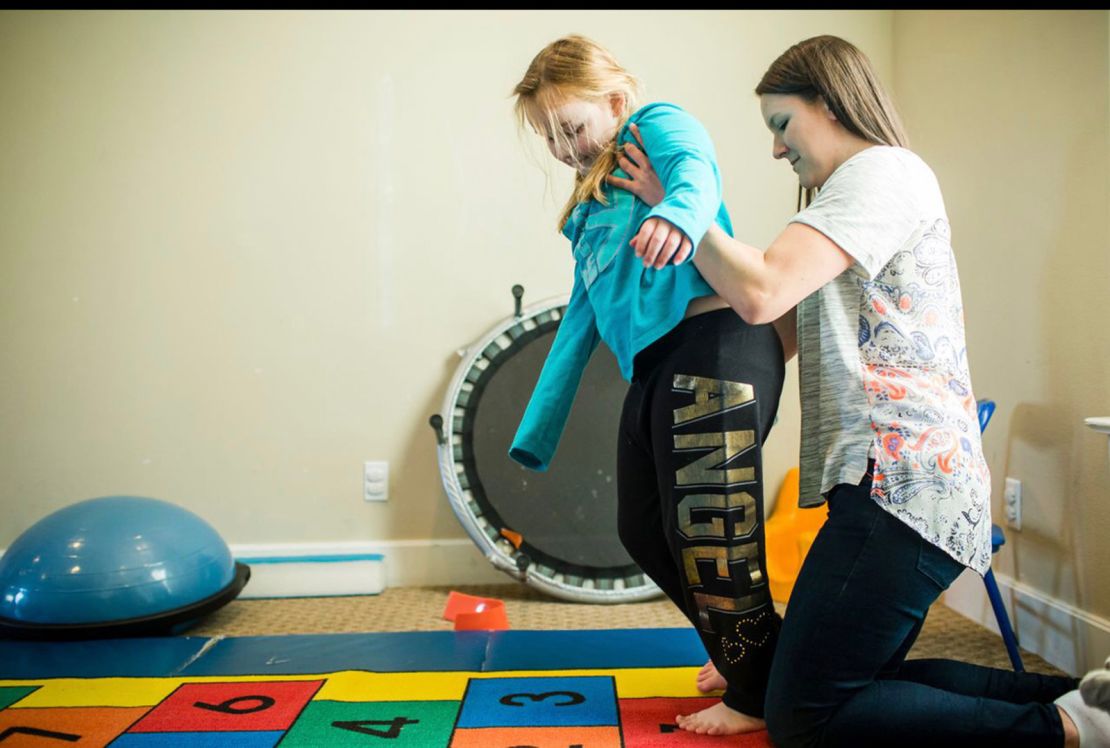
(556,530)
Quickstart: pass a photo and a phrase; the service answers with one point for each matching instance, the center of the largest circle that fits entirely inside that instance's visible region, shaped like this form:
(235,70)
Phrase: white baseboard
(361,567)
(314,576)
(1065,636)
(373,566)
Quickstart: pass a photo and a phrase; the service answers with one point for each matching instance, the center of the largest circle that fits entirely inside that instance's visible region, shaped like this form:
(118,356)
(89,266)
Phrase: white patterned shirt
(882,357)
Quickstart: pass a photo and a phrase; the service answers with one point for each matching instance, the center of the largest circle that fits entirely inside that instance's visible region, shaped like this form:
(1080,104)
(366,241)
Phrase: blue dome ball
(112,558)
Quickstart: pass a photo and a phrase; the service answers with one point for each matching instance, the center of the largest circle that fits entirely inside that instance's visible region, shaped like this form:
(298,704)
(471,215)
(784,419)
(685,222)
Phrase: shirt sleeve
(546,415)
(683,156)
(869,206)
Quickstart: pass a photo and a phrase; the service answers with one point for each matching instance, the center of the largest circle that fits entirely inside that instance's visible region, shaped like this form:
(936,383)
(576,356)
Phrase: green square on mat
(11,694)
(407,724)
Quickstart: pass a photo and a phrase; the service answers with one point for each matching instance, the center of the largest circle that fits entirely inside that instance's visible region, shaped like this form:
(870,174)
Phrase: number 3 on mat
(575,698)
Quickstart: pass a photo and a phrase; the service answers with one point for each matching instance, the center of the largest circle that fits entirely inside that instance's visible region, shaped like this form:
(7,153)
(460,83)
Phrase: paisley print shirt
(882,358)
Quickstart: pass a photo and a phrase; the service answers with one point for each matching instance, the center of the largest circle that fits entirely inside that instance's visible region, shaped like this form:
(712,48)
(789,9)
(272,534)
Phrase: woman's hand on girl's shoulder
(644,182)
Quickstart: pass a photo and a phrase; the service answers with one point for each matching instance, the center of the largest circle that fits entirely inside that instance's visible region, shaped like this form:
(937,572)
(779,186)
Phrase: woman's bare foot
(719,720)
(709,679)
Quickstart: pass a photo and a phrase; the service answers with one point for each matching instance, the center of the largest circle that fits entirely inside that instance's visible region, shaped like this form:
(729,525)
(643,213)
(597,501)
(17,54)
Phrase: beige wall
(1011,109)
(238,250)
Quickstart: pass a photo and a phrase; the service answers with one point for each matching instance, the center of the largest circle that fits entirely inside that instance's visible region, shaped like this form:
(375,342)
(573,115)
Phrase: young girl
(889,432)
(704,385)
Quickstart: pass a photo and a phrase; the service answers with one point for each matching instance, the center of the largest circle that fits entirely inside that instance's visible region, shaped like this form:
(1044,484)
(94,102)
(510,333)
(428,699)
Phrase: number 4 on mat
(360,725)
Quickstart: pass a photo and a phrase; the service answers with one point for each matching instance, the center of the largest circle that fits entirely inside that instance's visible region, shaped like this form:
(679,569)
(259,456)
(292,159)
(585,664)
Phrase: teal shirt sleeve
(546,415)
(683,156)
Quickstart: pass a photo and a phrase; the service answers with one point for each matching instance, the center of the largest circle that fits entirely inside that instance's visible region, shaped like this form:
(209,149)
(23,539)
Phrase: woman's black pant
(841,677)
(690,486)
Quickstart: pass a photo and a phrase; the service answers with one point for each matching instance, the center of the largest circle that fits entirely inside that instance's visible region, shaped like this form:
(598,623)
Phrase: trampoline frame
(497,548)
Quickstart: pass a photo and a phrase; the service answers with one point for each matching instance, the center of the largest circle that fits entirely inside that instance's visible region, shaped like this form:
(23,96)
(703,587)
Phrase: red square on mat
(249,705)
(649,723)
(538,737)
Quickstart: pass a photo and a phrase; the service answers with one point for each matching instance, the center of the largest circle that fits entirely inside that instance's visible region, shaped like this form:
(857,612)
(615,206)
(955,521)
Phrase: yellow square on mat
(94,692)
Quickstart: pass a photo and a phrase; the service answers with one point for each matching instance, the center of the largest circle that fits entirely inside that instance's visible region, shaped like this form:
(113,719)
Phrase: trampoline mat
(569,512)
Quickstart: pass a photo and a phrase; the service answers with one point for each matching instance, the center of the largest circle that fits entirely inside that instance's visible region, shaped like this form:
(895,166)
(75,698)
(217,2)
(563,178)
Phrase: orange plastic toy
(790,531)
(471,613)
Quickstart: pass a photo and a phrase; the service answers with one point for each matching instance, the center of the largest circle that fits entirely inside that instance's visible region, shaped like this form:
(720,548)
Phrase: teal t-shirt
(615,298)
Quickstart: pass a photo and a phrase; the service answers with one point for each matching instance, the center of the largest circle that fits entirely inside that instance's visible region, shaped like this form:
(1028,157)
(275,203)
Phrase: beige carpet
(945,634)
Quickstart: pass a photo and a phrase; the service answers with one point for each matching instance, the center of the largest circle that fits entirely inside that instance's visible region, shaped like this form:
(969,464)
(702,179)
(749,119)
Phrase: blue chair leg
(998,539)
(1003,621)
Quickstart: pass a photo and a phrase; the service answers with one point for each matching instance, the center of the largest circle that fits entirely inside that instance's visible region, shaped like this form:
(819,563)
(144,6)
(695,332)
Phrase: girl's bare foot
(709,679)
(719,720)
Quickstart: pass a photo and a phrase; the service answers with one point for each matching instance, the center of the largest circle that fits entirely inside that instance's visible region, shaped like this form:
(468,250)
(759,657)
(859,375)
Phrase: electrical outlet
(1011,503)
(375,481)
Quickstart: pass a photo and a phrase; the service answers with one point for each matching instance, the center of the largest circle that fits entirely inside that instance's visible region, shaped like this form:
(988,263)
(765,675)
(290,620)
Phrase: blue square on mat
(539,702)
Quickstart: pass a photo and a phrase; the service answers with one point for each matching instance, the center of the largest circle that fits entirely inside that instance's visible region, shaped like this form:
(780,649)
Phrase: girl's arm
(650,190)
(760,286)
(683,155)
(541,427)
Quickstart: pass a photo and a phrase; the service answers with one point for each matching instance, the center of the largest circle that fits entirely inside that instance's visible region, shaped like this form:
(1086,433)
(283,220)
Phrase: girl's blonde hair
(838,72)
(576,67)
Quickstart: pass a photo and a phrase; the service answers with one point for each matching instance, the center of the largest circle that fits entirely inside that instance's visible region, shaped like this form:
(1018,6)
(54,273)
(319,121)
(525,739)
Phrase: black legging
(690,486)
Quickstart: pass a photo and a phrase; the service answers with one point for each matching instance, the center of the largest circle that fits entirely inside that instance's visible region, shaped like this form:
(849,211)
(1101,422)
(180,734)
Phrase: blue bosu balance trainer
(115,566)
